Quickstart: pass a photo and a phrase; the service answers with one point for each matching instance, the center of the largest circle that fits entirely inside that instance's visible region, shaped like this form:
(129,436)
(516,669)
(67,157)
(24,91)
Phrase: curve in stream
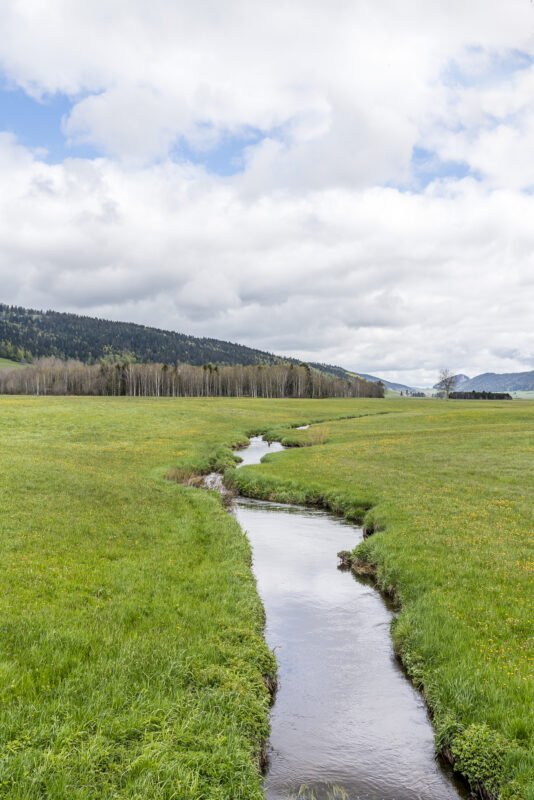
(346,722)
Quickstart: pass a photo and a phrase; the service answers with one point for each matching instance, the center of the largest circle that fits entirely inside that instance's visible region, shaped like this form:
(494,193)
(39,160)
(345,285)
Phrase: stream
(346,723)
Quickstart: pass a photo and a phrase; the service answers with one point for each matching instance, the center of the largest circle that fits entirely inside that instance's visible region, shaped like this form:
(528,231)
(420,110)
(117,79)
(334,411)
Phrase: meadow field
(132,662)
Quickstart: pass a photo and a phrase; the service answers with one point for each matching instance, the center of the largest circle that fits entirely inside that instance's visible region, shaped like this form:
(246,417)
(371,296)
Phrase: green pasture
(132,660)
(6,363)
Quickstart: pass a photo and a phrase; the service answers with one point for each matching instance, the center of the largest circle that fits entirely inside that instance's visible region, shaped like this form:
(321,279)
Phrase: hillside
(28,333)
(88,339)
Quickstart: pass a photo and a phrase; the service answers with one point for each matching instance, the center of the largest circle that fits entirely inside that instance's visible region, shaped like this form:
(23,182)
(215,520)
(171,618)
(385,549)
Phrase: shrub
(480,754)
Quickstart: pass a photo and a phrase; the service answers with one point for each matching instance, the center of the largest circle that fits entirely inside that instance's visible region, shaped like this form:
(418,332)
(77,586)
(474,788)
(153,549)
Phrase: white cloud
(313,249)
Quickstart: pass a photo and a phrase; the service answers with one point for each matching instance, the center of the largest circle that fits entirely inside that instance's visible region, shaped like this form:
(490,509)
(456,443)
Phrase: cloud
(331,241)
(334,82)
(372,279)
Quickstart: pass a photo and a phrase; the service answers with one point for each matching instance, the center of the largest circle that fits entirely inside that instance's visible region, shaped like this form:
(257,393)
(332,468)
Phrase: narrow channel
(346,723)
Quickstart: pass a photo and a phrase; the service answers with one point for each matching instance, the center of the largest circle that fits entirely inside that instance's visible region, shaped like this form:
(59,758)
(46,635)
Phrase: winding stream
(346,723)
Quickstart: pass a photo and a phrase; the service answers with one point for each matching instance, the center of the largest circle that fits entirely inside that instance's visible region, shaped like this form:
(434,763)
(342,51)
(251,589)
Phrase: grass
(6,363)
(447,488)
(132,658)
(131,649)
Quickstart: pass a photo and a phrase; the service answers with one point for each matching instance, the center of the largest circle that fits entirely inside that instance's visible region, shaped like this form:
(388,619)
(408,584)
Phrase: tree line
(51,376)
(473,395)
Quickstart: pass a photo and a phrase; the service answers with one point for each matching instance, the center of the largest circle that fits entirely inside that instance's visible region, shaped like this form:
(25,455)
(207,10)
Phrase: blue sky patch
(427,167)
(493,69)
(226,158)
(38,124)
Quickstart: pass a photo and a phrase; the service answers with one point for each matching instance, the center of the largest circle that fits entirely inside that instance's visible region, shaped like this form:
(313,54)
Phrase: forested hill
(26,334)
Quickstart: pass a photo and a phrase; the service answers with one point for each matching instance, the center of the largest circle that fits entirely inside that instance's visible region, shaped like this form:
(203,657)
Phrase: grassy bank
(131,648)
(447,488)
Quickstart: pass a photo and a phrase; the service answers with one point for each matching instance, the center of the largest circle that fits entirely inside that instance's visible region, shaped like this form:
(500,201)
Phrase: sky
(348,182)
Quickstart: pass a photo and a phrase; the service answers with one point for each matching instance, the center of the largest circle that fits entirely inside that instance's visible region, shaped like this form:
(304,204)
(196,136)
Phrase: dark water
(346,723)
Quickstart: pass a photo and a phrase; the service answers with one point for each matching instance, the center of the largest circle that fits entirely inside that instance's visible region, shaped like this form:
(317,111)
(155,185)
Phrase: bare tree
(447,382)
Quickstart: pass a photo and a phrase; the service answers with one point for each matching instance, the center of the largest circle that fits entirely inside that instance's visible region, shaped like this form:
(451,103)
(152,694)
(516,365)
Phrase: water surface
(346,722)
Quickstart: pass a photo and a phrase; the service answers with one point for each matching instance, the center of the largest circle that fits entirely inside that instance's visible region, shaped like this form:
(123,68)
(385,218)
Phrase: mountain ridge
(501,382)
(495,382)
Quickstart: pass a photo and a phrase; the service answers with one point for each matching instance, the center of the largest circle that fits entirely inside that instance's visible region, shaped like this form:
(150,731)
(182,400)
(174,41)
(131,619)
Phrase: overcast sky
(347,181)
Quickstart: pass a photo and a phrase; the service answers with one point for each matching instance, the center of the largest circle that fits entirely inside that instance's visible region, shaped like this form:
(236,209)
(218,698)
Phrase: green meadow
(6,363)
(132,661)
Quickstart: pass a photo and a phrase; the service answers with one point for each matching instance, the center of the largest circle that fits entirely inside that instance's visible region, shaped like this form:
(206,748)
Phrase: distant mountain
(461,382)
(27,333)
(396,387)
(495,382)
(504,382)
